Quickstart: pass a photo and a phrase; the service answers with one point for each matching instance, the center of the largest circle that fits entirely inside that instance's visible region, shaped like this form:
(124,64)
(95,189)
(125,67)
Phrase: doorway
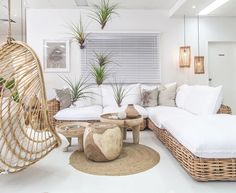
(222,70)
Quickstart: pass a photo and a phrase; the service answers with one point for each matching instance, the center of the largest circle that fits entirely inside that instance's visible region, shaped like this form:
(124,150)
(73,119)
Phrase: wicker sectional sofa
(200,165)
(201,169)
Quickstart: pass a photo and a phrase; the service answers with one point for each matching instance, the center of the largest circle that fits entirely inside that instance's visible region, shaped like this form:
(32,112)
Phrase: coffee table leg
(80,142)
(66,149)
(136,131)
(125,133)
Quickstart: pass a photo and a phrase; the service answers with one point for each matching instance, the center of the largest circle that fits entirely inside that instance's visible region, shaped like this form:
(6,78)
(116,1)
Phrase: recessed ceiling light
(194,6)
(213,6)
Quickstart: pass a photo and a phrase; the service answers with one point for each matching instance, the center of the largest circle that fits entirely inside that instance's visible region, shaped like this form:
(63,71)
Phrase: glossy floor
(54,175)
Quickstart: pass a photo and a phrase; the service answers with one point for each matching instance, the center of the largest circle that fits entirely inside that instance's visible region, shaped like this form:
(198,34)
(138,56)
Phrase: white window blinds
(135,56)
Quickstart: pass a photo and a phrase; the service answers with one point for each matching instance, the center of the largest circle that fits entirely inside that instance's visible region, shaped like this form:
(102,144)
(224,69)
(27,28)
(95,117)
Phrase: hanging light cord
(9,38)
(198,36)
(184,31)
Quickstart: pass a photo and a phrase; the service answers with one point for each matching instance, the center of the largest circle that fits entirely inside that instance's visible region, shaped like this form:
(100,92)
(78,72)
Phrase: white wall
(53,24)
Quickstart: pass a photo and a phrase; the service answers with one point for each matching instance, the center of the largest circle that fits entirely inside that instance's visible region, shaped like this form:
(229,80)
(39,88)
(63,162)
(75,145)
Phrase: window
(135,56)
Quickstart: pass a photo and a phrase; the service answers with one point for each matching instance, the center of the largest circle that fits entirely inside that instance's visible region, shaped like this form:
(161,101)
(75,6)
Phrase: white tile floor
(54,175)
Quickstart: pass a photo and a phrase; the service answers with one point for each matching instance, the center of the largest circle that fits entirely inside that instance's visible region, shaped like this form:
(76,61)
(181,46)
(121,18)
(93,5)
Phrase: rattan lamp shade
(199,65)
(185,57)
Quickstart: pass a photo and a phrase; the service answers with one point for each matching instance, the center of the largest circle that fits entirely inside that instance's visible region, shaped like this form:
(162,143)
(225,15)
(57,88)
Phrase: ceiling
(175,8)
(186,8)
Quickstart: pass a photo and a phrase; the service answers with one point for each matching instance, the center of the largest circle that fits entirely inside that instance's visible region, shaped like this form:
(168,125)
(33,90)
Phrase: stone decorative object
(133,124)
(131,112)
(70,130)
(122,115)
(102,142)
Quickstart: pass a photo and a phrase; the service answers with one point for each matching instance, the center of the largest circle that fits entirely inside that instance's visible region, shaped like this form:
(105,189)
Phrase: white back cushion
(108,96)
(94,98)
(133,95)
(198,99)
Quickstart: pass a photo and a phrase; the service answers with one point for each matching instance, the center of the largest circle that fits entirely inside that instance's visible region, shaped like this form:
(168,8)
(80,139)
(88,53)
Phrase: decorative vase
(131,112)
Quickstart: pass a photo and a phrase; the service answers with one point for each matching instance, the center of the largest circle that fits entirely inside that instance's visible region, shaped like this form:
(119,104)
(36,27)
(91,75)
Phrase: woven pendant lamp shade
(199,65)
(26,135)
(185,57)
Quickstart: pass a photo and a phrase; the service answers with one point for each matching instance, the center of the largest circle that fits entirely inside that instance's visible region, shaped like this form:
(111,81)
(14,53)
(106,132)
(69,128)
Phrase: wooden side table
(70,130)
(133,124)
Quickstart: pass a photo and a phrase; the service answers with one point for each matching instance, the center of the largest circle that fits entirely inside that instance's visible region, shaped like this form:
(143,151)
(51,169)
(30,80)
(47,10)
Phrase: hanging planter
(99,67)
(79,33)
(103,12)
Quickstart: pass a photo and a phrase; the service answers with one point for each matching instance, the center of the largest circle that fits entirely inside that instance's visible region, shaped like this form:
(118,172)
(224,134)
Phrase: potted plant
(79,33)
(103,12)
(10,86)
(120,92)
(99,67)
(78,89)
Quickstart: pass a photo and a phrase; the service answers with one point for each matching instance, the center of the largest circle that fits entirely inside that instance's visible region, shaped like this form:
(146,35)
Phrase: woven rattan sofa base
(201,169)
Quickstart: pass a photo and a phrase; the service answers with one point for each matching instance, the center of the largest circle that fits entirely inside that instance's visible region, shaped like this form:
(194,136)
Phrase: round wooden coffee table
(133,124)
(70,130)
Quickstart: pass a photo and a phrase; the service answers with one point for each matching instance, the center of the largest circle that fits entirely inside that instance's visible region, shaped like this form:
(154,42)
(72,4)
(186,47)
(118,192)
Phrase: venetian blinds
(135,56)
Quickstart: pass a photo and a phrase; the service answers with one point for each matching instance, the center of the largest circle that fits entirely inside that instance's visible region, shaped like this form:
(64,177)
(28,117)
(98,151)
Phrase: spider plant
(120,92)
(79,33)
(103,12)
(78,89)
(99,68)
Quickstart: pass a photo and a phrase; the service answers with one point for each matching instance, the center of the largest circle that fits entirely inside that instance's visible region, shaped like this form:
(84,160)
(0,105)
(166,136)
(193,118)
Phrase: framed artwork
(57,56)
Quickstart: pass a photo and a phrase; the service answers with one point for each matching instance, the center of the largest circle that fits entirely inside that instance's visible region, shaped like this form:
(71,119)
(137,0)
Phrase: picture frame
(56,56)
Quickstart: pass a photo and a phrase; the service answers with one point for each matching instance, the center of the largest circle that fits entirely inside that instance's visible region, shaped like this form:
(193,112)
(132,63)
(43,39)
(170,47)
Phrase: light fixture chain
(184,30)
(198,31)
(9,38)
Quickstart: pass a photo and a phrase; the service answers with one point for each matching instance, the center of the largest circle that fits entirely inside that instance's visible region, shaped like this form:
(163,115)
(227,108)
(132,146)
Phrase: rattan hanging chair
(26,135)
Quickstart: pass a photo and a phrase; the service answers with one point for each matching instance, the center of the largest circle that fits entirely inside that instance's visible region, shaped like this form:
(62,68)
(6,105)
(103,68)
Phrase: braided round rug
(134,158)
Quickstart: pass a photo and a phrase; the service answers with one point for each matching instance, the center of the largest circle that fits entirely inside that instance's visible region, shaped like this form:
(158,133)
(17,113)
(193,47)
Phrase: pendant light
(185,52)
(198,60)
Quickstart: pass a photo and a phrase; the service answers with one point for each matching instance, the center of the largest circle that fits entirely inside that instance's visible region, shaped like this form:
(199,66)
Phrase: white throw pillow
(108,96)
(149,87)
(133,95)
(200,100)
(94,98)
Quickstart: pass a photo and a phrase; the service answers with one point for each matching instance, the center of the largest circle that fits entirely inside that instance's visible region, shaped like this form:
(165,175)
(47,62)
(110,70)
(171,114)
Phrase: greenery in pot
(79,33)
(99,67)
(78,88)
(103,12)
(11,86)
(120,92)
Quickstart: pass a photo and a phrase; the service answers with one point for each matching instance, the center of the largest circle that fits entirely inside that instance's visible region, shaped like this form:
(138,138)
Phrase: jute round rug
(133,159)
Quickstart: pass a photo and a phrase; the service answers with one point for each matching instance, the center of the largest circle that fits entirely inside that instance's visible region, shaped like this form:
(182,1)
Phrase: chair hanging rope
(26,136)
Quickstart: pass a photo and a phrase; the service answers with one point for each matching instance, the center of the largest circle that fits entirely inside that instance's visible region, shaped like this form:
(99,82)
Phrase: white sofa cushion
(199,100)
(94,98)
(78,114)
(209,136)
(133,95)
(159,114)
(108,96)
(142,111)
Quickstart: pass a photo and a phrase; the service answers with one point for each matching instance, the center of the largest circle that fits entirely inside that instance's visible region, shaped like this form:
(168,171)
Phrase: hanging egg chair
(26,135)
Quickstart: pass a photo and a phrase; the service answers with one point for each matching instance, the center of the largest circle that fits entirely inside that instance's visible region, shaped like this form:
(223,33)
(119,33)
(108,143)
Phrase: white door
(222,70)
